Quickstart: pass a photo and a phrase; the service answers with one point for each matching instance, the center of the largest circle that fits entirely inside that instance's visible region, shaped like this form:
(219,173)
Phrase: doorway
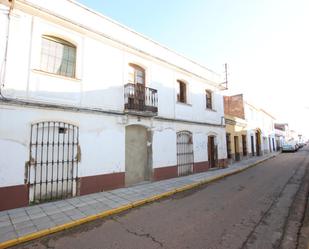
(137,80)
(258,143)
(252,146)
(212,152)
(236,147)
(228,146)
(137,167)
(244,145)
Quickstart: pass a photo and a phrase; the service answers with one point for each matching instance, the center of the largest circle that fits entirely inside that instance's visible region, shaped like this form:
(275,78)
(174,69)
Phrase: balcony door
(136,74)
(137,79)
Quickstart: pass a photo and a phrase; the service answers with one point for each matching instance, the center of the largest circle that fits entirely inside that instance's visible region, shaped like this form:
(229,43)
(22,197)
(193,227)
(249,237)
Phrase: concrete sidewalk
(24,224)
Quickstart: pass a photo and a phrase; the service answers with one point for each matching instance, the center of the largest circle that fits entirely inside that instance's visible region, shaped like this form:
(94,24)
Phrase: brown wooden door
(258,142)
(212,152)
(236,147)
(244,145)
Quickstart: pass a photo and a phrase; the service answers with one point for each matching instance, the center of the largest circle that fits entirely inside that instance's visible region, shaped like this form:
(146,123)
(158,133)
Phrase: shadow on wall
(112,98)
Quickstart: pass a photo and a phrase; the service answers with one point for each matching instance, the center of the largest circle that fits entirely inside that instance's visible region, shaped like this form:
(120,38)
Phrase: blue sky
(202,30)
(264,42)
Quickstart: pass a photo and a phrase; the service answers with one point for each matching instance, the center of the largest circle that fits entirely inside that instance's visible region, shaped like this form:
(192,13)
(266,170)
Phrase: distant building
(260,130)
(282,134)
(249,129)
(236,128)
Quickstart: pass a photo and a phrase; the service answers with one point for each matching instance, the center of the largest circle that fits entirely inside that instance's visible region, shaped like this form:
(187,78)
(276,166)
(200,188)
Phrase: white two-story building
(260,130)
(88,104)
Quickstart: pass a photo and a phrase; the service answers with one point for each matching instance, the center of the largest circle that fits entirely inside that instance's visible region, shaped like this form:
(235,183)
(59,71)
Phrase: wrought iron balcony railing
(139,98)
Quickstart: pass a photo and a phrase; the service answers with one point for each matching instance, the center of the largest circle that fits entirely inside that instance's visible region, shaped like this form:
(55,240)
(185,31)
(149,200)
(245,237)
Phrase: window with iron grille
(208,99)
(185,159)
(228,145)
(182,92)
(58,56)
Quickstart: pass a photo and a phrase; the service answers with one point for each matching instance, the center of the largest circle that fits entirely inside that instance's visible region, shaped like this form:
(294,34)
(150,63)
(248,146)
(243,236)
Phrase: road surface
(246,210)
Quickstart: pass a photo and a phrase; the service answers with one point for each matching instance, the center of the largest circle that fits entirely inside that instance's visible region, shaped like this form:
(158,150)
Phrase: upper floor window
(182,92)
(136,74)
(208,99)
(58,56)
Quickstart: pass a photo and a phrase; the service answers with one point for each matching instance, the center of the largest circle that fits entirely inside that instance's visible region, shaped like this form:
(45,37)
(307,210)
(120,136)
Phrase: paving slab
(26,230)
(8,236)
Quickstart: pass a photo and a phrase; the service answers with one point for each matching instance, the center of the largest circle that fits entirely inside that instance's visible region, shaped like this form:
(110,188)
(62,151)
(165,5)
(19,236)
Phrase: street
(246,210)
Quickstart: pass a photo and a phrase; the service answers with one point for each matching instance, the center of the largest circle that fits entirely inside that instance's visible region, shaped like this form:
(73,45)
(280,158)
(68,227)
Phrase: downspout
(3,67)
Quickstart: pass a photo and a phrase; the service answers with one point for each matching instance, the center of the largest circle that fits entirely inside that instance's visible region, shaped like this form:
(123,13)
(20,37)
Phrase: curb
(120,209)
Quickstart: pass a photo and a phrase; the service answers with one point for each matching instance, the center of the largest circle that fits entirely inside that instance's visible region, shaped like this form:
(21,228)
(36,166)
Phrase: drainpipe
(3,68)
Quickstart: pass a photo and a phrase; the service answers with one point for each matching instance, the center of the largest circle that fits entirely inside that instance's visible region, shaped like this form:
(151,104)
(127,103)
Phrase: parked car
(289,148)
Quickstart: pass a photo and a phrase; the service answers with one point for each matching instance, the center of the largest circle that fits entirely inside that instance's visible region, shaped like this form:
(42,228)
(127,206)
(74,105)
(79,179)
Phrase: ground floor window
(184,153)
(52,169)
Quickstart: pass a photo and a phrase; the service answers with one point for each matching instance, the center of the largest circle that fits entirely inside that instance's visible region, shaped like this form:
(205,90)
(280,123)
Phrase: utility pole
(224,84)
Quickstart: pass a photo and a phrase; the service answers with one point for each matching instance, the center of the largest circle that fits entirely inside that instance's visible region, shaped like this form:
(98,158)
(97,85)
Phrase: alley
(246,210)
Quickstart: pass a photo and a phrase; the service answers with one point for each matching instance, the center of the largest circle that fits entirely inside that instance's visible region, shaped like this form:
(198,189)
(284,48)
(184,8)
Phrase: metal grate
(53,165)
(184,153)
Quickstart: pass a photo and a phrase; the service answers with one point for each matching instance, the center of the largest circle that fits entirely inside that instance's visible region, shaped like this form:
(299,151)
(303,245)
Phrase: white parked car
(289,148)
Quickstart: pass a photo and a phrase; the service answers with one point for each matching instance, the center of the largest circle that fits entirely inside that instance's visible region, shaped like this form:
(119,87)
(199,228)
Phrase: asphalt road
(247,210)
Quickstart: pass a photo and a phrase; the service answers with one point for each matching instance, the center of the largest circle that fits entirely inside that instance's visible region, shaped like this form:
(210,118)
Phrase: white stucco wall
(101,139)
(101,73)
(259,119)
(101,69)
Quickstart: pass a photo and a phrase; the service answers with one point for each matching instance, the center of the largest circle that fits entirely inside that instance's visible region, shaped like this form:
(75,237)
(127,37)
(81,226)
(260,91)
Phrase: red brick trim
(98,183)
(165,173)
(14,197)
(200,167)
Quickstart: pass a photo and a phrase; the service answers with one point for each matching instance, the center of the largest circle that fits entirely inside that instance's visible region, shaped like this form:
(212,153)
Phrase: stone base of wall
(99,183)
(233,157)
(14,197)
(165,173)
(171,171)
(18,196)
(200,167)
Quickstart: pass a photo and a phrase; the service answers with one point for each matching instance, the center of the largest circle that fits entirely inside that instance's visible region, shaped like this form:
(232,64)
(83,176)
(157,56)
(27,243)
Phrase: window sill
(211,110)
(182,103)
(55,75)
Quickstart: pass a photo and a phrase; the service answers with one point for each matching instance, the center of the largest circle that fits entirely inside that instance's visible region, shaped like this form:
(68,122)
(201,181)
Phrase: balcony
(141,100)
